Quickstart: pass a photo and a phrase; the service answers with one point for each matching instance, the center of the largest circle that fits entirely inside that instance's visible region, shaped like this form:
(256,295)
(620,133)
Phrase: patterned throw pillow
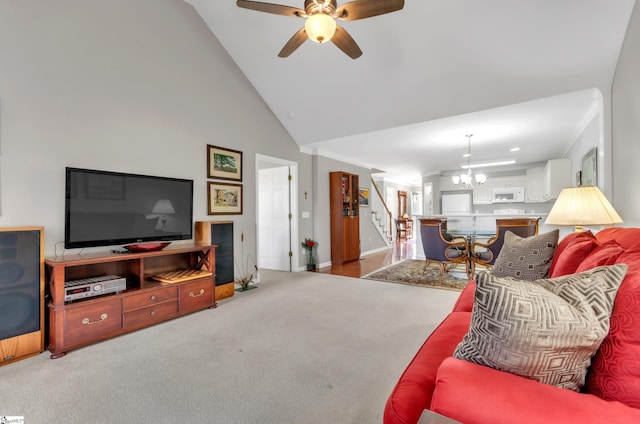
(526,258)
(546,330)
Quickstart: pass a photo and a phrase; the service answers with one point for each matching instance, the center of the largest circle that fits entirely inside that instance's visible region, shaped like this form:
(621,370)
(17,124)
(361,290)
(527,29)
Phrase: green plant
(245,268)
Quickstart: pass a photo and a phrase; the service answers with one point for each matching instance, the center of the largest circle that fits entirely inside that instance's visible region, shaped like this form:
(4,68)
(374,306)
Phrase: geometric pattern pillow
(526,258)
(546,330)
(615,369)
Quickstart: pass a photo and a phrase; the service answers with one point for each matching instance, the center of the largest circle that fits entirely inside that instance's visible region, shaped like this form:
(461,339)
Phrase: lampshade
(163,207)
(580,206)
(320,27)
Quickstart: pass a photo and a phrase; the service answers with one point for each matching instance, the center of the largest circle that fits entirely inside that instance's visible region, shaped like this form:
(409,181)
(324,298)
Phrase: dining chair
(439,250)
(485,254)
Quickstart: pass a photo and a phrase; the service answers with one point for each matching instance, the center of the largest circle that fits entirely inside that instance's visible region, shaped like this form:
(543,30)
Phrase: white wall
(133,86)
(626,126)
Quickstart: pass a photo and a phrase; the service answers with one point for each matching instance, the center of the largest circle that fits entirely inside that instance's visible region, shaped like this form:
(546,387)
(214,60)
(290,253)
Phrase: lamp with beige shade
(582,206)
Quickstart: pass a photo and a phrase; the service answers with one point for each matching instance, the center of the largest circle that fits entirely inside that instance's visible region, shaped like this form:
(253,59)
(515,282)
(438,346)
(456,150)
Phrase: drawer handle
(8,358)
(191,294)
(153,297)
(87,321)
(152,313)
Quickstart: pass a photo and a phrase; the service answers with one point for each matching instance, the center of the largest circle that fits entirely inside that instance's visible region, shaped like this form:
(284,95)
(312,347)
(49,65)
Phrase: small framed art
(590,168)
(224,198)
(363,194)
(224,164)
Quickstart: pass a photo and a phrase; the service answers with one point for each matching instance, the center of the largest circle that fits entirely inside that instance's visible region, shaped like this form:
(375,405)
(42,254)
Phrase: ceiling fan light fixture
(320,27)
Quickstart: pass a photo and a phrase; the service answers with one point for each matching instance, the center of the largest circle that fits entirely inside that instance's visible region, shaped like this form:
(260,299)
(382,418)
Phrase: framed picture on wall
(590,168)
(224,198)
(224,164)
(363,194)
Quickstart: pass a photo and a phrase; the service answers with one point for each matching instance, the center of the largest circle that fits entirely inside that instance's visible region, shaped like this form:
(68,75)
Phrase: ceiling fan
(320,25)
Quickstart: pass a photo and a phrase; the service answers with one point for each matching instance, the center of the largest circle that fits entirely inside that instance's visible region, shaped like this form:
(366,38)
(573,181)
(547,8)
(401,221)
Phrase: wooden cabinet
(404,229)
(187,285)
(345,217)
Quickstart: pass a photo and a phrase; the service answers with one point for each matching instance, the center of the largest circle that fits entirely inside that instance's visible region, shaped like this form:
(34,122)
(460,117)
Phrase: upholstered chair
(437,249)
(485,254)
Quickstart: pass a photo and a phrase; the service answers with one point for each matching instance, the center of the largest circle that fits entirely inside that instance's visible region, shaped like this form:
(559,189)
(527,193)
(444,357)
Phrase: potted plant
(246,273)
(309,244)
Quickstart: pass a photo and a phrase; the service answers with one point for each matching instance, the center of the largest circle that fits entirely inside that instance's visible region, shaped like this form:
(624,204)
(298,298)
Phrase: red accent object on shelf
(147,247)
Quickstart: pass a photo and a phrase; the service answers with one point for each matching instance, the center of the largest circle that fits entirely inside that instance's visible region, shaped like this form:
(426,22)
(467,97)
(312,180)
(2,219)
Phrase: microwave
(507,194)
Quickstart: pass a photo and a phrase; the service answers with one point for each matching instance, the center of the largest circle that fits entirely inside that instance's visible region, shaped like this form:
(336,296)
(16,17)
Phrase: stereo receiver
(89,287)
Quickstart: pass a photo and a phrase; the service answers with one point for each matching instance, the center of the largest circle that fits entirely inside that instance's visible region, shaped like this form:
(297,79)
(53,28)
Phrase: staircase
(381,215)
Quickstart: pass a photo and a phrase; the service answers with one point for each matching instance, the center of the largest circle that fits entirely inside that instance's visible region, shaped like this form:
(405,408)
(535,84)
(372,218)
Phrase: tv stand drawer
(150,298)
(151,315)
(92,321)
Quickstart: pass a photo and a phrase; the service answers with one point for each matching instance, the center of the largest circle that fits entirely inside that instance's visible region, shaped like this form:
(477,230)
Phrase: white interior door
(274,232)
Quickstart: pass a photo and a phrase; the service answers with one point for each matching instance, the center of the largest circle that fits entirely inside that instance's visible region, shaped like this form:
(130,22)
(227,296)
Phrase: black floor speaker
(21,293)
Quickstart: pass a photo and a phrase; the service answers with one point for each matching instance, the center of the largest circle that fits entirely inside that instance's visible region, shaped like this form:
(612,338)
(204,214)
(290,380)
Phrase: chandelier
(466,179)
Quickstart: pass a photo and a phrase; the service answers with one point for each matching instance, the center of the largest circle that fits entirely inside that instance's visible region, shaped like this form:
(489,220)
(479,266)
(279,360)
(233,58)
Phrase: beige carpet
(303,348)
(411,272)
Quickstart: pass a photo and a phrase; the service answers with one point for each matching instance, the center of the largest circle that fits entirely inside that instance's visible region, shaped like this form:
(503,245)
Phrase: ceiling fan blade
(360,9)
(346,43)
(293,43)
(277,9)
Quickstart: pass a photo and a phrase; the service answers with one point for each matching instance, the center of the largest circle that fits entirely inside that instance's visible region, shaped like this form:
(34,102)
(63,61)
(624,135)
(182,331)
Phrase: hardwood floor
(400,251)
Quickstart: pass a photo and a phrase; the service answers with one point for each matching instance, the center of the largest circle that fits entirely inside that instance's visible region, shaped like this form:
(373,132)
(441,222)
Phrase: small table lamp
(579,206)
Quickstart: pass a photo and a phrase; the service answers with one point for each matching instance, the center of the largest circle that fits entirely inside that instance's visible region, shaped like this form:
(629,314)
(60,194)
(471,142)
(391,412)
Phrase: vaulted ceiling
(523,73)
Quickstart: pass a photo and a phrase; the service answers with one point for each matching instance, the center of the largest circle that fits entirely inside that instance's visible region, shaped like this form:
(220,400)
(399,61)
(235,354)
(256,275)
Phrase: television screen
(108,208)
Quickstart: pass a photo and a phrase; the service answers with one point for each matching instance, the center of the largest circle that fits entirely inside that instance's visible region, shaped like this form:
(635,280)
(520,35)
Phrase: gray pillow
(546,330)
(526,258)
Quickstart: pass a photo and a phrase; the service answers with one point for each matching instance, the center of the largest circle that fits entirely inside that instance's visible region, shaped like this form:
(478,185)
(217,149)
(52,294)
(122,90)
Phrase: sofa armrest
(472,393)
(466,298)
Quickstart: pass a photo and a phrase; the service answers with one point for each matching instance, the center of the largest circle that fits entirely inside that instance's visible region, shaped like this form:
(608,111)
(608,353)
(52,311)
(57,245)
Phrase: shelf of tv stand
(145,301)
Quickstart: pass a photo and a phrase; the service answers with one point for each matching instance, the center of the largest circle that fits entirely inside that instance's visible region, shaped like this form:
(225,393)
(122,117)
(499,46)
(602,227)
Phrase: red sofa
(472,393)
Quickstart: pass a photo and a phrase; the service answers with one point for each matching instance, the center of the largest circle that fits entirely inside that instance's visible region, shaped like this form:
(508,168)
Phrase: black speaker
(222,236)
(21,287)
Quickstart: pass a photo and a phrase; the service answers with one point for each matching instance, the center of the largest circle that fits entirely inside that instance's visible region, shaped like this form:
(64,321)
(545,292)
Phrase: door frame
(293,205)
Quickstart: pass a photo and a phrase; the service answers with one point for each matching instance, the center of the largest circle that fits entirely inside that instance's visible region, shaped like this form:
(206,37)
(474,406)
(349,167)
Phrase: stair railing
(386,208)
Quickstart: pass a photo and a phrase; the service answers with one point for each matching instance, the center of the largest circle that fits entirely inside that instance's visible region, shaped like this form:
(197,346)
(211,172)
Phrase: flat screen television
(111,208)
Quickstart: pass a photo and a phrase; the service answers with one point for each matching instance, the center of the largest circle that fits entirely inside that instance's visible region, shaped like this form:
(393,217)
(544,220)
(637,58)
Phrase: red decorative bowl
(147,247)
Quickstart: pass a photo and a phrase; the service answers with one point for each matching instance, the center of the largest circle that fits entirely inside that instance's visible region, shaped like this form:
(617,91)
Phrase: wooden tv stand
(146,301)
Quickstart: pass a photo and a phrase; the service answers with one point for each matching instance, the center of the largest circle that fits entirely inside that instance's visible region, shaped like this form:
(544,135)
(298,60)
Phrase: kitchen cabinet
(503,182)
(482,194)
(533,185)
(555,177)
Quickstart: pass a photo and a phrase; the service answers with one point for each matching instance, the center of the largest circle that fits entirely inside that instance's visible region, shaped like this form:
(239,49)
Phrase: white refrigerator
(456,204)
